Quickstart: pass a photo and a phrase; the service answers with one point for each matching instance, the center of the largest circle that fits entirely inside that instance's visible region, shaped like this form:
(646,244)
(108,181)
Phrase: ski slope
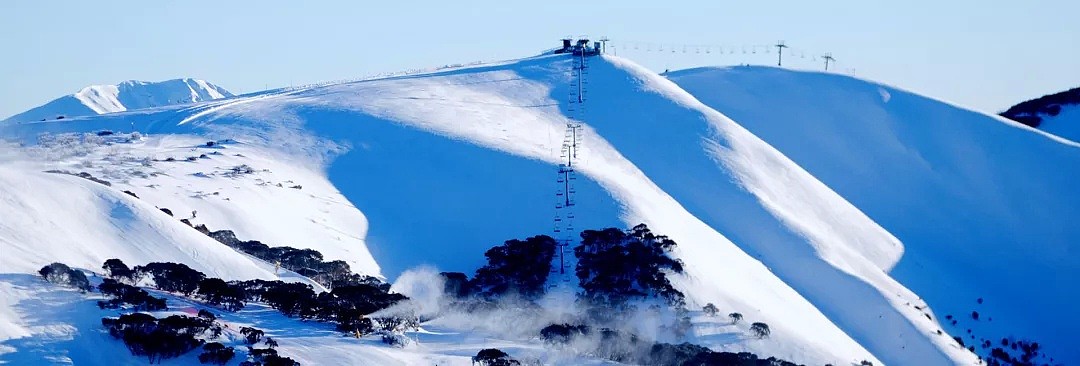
(128,95)
(442,166)
(984,206)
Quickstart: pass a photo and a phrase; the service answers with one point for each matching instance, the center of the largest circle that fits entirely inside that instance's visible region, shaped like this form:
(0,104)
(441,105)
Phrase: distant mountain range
(128,95)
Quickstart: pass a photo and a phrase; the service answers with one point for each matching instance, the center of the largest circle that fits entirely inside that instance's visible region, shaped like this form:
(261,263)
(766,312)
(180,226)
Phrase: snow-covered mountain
(985,206)
(128,95)
(434,169)
(1057,113)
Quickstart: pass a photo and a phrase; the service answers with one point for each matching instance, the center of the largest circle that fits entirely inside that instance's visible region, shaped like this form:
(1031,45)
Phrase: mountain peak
(124,96)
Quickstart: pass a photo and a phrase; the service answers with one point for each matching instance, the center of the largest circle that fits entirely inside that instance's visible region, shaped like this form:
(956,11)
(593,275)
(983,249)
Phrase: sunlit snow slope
(446,165)
(128,95)
(985,207)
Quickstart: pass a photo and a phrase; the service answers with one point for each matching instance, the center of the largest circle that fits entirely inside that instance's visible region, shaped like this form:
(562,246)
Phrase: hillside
(128,95)
(982,204)
(444,165)
(1057,113)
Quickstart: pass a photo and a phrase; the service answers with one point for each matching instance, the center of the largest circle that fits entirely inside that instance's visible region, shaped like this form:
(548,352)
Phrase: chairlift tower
(564,229)
(780,46)
(828,58)
(564,196)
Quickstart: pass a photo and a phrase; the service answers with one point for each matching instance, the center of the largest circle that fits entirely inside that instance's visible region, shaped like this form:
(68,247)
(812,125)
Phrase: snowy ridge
(128,95)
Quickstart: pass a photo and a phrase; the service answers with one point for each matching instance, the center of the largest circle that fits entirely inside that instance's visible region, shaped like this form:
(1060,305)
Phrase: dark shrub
(290,298)
(493,357)
(251,335)
(116,269)
(353,321)
(206,314)
(275,360)
(146,336)
(270,357)
(562,333)
(760,330)
(710,309)
(671,354)
(226,237)
(365,298)
(217,292)
(61,274)
(517,266)
(126,294)
(172,277)
(456,284)
(615,266)
(216,353)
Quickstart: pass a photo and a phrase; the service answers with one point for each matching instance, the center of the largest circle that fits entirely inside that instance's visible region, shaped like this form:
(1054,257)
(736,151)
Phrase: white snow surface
(1066,124)
(255,192)
(986,207)
(125,96)
(101,98)
(436,168)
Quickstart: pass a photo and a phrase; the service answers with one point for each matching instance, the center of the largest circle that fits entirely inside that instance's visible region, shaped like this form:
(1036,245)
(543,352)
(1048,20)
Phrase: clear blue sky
(983,54)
